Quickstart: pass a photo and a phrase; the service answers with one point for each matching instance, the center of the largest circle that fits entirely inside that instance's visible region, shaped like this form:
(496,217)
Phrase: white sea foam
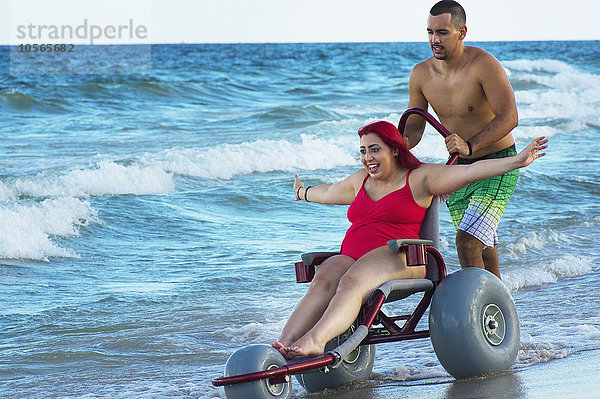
(409,360)
(349,125)
(431,148)
(570,266)
(108,178)
(6,193)
(413,373)
(26,230)
(556,340)
(564,80)
(535,240)
(569,94)
(589,332)
(253,333)
(361,108)
(579,105)
(564,267)
(229,160)
(592,222)
(543,65)
(539,350)
(532,132)
(444,244)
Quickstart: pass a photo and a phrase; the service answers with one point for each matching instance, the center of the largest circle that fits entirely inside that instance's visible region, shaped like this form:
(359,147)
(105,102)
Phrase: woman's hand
(531,152)
(297,185)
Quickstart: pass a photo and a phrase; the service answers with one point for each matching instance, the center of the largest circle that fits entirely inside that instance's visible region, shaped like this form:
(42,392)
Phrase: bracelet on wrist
(306,193)
(470,149)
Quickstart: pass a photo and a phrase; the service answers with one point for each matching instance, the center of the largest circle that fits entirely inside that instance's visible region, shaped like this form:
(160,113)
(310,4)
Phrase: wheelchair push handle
(432,121)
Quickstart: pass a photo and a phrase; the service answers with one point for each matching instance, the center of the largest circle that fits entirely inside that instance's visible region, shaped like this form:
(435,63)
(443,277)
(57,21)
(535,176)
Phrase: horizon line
(308,42)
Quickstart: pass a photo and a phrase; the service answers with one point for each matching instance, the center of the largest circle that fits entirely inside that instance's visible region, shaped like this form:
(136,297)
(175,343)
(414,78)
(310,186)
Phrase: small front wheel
(473,324)
(354,367)
(252,359)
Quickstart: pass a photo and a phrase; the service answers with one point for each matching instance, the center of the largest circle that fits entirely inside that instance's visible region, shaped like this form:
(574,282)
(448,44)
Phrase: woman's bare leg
(315,301)
(366,274)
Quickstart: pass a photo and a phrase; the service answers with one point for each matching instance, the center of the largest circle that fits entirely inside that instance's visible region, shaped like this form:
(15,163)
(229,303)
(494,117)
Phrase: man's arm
(415,125)
(501,98)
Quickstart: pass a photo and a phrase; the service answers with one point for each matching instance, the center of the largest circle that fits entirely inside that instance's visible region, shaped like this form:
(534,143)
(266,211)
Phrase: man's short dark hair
(456,11)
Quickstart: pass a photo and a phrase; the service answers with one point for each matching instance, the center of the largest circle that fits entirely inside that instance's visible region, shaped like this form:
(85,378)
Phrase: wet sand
(576,376)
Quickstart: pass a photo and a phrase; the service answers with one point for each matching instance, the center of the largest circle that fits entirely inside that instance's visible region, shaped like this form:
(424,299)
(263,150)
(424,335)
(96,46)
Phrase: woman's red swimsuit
(374,223)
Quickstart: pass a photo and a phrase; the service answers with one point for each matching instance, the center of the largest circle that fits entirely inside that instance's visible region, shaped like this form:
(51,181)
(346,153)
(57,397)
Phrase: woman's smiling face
(376,156)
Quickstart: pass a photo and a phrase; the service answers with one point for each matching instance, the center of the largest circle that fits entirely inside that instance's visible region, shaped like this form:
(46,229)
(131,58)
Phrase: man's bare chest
(458,96)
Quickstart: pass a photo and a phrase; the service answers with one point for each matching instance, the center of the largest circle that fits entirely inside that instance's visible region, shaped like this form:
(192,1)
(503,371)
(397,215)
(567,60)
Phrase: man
(471,95)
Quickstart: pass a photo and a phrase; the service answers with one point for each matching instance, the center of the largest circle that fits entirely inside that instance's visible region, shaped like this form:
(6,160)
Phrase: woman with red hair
(388,199)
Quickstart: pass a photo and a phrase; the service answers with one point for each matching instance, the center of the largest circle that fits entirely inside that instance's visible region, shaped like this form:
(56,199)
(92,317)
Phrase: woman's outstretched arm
(340,193)
(442,179)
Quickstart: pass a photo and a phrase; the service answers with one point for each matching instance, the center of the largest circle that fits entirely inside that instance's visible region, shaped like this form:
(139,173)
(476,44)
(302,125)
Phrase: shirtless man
(471,95)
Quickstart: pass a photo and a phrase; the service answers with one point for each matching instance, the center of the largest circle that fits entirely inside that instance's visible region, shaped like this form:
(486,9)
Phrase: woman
(388,200)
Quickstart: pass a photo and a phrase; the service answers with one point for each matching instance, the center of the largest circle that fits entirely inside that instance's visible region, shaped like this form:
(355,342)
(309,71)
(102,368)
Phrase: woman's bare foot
(303,347)
(282,348)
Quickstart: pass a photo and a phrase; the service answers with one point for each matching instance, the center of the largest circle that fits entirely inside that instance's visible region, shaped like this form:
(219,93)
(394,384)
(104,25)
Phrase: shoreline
(575,376)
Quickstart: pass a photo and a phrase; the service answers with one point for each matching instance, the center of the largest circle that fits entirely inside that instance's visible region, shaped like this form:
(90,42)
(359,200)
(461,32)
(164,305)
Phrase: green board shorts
(477,208)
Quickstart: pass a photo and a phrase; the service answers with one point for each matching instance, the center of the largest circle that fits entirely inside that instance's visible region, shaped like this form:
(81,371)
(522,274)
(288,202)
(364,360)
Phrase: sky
(258,21)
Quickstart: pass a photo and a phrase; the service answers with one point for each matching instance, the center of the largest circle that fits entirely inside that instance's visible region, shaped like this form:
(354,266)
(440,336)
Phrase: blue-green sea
(147,221)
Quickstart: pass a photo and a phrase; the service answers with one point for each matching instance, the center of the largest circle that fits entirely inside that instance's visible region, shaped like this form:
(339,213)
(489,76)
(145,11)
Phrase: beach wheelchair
(473,322)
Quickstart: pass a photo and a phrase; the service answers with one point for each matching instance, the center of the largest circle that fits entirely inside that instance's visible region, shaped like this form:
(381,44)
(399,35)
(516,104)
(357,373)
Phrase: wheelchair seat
(399,289)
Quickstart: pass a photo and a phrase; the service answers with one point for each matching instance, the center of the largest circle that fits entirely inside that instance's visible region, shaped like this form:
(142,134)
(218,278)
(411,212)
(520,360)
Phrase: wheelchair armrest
(316,258)
(395,245)
(415,250)
(400,289)
(305,270)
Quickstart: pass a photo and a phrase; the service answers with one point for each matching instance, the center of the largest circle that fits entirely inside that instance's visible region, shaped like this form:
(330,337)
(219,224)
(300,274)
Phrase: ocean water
(147,221)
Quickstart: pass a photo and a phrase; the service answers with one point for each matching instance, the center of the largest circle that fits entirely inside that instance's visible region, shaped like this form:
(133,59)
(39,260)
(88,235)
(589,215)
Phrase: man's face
(444,38)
